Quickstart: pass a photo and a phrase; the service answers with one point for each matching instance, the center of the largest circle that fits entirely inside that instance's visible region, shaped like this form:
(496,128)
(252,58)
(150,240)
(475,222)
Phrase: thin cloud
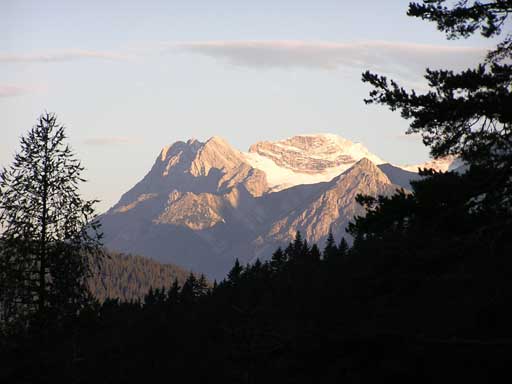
(9,90)
(407,60)
(403,58)
(64,55)
(111,140)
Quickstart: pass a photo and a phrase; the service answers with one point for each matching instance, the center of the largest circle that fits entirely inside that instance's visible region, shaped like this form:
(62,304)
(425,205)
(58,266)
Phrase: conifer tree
(278,260)
(235,273)
(314,254)
(193,288)
(342,249)
(49,232)
(202,286)
(295,249)
(466,114)
(174,292)
(330,249)
(150,297)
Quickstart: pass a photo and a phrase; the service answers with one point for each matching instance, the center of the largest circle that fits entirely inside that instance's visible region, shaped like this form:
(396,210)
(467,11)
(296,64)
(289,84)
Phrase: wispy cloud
(404,58)
(10,90)
(111,140)
(64,55)
(407,60)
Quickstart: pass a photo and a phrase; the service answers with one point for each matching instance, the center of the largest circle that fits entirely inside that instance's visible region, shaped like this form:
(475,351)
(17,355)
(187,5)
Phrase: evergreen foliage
(49,232)
(129,277)
(466,114)
(330,250)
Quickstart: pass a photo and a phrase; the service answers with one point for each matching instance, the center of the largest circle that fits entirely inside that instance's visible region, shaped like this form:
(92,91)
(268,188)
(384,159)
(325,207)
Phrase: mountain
(398,175)
(204,204)
(306,159)
(330,207)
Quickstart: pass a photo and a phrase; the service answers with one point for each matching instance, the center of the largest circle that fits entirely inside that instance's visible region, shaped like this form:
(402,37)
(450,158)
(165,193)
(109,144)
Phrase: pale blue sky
(128,77)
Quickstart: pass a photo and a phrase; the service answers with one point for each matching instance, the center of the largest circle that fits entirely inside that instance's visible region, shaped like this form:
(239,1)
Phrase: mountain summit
(306,159)
(203,204)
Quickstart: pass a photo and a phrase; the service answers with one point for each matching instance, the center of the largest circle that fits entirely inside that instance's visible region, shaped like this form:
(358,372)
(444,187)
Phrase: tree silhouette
(330,249)
(235,273)
(466,114)
(343,249)
(173,293)
(465,18)
(278,260)
(50,232)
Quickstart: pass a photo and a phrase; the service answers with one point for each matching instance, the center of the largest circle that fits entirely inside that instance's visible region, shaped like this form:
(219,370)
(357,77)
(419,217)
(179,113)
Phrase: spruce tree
(174,292)
(190,290)
(342,249)
(278,260)
(50,233)
(202,286)
(235,273)
(314,254)
(330,249)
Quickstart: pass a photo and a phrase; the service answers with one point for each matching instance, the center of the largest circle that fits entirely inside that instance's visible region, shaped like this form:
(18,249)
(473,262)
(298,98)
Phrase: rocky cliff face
(331,207)
(204,204)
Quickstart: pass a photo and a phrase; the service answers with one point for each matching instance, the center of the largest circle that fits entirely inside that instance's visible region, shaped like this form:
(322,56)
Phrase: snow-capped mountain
(203,204)
(306,159)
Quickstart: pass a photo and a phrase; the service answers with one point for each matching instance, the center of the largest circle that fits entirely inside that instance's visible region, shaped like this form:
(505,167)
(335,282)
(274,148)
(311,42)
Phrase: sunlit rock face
(306,159)
(202,205)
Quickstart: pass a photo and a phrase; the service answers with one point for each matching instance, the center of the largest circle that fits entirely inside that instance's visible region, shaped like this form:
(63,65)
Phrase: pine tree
(315,254)
(150,297)
(49,233)
(342,249)
(294,250)
(278,260)
(173,293)
(330,250)
(466,114)
(202,286)
(190,290)
(235,273)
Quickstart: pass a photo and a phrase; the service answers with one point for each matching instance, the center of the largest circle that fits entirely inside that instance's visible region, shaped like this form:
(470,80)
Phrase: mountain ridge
(202,205)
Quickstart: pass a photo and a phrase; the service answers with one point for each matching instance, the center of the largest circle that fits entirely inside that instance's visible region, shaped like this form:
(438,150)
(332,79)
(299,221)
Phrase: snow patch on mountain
(306,159)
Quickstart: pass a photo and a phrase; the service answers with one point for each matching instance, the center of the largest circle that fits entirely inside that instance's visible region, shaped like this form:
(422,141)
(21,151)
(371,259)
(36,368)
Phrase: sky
(129,77)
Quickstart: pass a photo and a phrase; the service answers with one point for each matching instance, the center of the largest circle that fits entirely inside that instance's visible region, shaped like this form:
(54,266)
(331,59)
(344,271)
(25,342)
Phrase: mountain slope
(329,208)
(204,204)
(399,176)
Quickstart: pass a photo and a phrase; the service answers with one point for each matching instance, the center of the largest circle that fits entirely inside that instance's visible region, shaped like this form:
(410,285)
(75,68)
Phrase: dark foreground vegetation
(423,295)
(426,301)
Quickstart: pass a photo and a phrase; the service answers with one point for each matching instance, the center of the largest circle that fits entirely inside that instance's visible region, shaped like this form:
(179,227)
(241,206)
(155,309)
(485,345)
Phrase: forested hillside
(129,277)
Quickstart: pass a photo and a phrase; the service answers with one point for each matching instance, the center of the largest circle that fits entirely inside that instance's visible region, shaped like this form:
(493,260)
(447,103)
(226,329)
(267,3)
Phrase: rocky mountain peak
(362,173)
(215,153)
(366,166)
